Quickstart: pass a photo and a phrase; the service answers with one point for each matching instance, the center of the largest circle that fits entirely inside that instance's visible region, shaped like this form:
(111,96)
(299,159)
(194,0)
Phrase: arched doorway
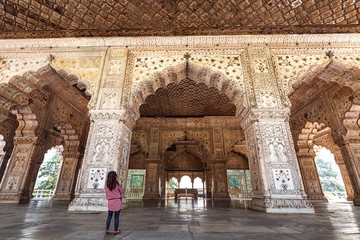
(239,182)
(47,178)
(188,116)
(321,101)
(42,109)
(330,175)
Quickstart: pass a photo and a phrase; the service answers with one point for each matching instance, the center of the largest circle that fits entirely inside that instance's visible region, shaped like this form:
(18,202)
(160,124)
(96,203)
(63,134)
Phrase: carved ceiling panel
(187,99)
(75,18)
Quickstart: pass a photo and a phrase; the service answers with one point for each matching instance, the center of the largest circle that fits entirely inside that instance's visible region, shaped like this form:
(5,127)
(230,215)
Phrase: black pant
(116,219)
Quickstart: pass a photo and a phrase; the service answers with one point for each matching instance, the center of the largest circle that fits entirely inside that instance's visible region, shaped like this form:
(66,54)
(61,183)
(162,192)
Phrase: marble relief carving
(97,177)
(102,148)
(276,150)
(12,183)
(268,99)
(283,179)
(109,100)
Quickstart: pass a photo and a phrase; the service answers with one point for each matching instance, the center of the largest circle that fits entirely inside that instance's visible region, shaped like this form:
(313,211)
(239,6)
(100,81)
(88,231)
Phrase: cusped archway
(326,94)
(39,102)
(186,77)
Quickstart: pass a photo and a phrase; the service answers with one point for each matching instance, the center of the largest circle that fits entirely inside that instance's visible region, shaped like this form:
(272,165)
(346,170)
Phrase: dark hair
(111,181)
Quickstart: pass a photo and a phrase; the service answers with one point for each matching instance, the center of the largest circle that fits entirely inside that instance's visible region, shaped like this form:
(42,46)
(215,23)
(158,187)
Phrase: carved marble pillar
(152,179)
(163,180)
(351,154)
(347,182)
(209,183)
(220,181)
(2,155)
(152,167)
(107,149)
(15,185)
(17,172)
(311,178)
(66,179)
(344,173)
(275,175)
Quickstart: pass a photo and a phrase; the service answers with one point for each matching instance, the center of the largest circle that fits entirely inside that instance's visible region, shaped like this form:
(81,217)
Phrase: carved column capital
(106,114)
(250,116)
(121,115)
(25,140)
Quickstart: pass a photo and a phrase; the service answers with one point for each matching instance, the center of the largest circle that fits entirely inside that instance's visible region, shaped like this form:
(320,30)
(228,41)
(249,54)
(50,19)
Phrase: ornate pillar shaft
(351,155)
(347,182)
(16,174)
(152,167)
(152,179)
(311,179)
(107,149)
(209,182)
(2,156)
(220,180)
(66,179)
(163,181)
(275,175)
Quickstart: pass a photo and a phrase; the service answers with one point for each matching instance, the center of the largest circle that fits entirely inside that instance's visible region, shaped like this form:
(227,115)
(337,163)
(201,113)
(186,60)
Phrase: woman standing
(113,192)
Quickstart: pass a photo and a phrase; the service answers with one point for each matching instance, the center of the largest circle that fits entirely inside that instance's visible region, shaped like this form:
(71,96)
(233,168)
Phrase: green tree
(234,181)
(49,170)
(328,177)
(173,183)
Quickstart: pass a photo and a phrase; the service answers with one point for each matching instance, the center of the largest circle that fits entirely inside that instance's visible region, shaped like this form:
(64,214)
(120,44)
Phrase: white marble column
(107,150)
(275,175)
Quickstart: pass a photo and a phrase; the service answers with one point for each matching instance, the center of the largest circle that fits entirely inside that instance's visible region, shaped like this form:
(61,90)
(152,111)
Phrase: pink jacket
(114,198)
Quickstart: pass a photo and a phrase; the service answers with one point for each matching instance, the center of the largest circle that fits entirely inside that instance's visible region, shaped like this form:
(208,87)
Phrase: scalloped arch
(76,79)
(175,74)
(186,138)
(315,134)
(331,71)
(27,122)
(71,139)
(352,122)
(306,137)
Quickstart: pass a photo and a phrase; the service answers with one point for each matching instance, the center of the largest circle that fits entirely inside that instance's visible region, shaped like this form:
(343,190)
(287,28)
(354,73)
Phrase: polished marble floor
(182,219)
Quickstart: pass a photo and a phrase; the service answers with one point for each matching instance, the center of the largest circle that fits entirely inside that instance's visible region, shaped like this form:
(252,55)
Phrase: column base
(88,204)
(350,199)
(221,196)
(14,198)
(317,199)
(281,205)
(61,197)
(356,200)
(9,198)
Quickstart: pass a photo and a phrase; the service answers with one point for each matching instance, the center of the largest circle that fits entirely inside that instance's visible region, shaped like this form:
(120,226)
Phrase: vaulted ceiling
(85,18)
(187,99)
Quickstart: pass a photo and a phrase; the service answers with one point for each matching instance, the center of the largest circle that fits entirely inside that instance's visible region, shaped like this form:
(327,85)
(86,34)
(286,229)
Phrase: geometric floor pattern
(181,219)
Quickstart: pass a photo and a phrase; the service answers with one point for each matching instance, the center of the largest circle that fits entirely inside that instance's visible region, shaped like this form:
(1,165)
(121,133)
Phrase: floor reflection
(180,219)
(189,203)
